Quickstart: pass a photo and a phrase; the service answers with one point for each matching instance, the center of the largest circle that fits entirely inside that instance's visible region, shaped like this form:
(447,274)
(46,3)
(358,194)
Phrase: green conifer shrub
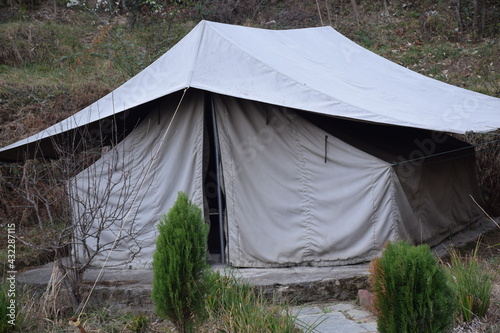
(411,291)
(180,265)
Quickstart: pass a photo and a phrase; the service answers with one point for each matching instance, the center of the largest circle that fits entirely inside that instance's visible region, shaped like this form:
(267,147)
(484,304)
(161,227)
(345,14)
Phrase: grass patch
(237,307)
(363,38)
(28,42)
(472,284)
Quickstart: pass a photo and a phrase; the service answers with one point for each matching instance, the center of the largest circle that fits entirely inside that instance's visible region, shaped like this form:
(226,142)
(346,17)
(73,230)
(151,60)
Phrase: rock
(366,300)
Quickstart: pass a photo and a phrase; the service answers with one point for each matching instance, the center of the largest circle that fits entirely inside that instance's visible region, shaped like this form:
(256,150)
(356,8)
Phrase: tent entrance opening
(214,198)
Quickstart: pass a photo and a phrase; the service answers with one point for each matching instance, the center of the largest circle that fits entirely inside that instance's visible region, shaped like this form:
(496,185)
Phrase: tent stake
(218,175)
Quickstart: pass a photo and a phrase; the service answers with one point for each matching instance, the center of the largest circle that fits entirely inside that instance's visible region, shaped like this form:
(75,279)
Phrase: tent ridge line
(195,58)
(242,49)
(391,120)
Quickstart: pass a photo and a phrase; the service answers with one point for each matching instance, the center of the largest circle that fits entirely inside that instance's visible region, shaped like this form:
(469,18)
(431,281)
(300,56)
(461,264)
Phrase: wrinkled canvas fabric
(134,184)
(297,197)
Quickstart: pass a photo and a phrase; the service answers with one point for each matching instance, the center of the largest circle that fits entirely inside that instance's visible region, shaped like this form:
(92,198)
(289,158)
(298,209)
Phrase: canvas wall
(128,190)
(286,204)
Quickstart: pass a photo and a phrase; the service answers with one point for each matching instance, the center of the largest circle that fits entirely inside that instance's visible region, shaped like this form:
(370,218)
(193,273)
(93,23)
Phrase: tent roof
(313,69)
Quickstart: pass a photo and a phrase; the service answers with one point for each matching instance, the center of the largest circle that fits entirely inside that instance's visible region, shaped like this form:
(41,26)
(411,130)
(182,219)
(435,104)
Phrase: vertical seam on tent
(304,180)
(135,190)
(395,212)
(157,205)
(227,156)
(199,153)
(374,216)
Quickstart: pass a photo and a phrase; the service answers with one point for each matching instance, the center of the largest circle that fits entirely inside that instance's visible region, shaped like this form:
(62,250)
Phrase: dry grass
(26,109)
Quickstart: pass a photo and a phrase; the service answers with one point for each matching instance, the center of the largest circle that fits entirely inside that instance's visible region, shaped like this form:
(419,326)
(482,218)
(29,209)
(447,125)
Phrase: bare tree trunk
(475,16)
(386,8)
(328,12)
(483,16)
(456,4)
(72,284)
(355,10)
(319,13)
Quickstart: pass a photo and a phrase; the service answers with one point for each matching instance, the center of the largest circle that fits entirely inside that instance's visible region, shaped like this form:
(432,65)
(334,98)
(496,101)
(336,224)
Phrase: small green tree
(411,291)
(180,265)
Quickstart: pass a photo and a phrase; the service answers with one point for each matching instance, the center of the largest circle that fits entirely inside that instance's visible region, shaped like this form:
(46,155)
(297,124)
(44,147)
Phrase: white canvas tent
(325,150)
